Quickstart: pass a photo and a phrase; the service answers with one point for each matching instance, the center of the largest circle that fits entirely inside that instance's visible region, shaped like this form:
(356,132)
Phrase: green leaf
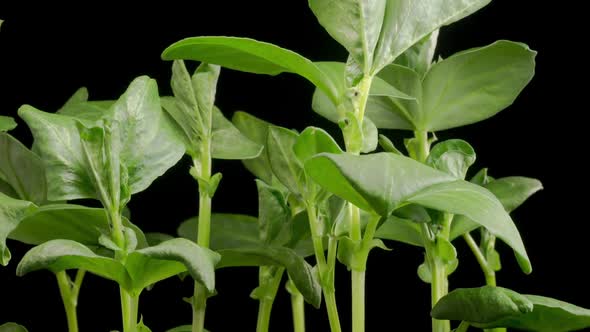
(227,142)
(227,231)
(478,204)
(383,182)
(60,255)
(148,147)
(548,315)
(6,123)
(250,55)
(419,56)
(512,191)
(12,327)
(142,267)
(273,212)
(401,230)
(481,305)
(404,24)
(299,270)
(255,130)
(377,182)
(313,141)
(12,211)
(59,144)
(370,136)
(387,145)
(283,161)
(473,85)
(22,170)
(204,82)
(169,258)
(453,156)
(355,24)
(424,273)
(67,221)
(392,112)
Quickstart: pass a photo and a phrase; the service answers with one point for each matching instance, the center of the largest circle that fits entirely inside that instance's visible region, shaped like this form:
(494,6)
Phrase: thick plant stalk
(358,275)
(439,285)
(298,309)
(204,232)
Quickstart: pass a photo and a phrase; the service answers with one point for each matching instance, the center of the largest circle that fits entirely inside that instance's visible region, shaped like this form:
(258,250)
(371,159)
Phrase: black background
(47,52)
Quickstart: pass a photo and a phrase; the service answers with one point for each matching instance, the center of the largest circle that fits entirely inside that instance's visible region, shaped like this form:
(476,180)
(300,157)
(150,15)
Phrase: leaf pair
(197,119)
(385,182)
(376,32)
(25,222)
(490,307)
(141,268)
(105,153)
(465,88)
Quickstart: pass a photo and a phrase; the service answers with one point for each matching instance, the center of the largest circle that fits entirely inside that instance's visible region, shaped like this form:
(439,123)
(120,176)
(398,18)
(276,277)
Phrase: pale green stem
(69,297)
(489,274)
(129,306)
(266,302)
(326,270)
(439,285)
(298,308)
(204,232)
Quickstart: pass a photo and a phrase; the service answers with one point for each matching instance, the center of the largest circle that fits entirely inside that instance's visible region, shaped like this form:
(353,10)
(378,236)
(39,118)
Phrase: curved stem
(270,279)
(69,299)
(489,274)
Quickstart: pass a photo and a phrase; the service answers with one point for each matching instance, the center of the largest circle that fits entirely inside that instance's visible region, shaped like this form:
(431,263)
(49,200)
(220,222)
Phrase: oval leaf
(452,156)
(377,182)
(404,24)
(355,24)
(60,255)
(169,258)
(473,85)
(300,272)
(68,221)
(249,55)
(481,305)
